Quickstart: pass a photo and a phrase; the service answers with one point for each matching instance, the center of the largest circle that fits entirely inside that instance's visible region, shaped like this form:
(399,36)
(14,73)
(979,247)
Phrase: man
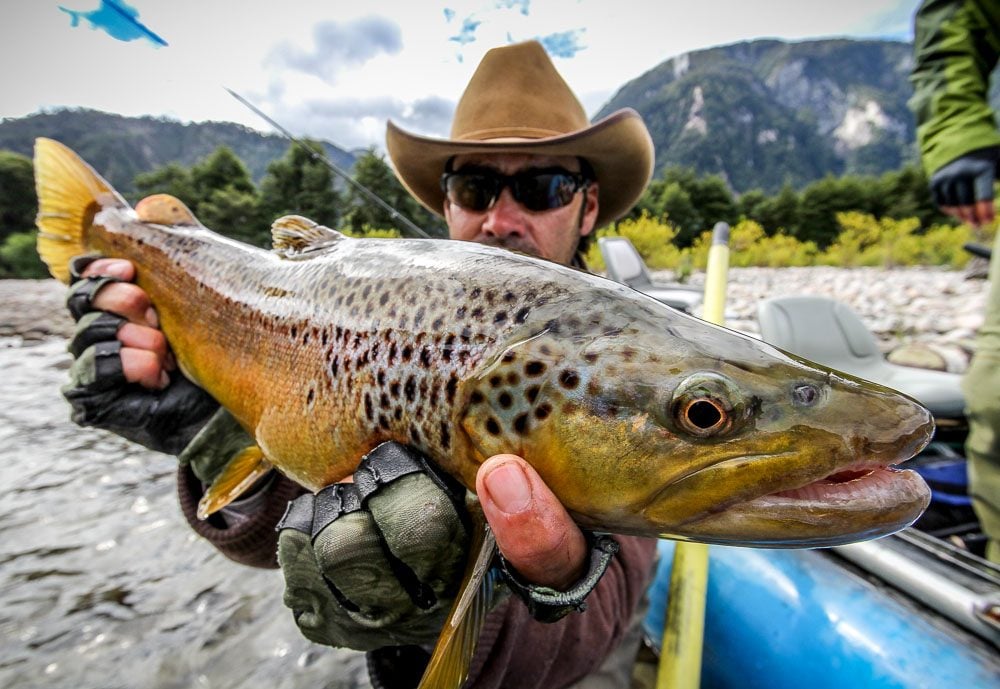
(523,170)
(957,46)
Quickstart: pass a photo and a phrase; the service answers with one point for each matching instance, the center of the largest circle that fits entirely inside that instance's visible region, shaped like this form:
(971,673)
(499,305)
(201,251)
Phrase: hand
(533,530)
(344,591)
(964,187)
(124,378)
(375,562)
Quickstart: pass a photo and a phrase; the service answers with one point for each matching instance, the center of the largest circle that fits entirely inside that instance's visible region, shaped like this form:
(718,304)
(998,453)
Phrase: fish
(642,420)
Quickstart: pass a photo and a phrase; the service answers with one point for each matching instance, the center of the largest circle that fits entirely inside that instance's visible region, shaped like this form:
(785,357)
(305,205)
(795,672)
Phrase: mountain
(120,147)
(766,112)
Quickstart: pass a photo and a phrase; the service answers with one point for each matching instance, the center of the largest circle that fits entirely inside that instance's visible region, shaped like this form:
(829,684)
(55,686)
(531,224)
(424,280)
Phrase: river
(103,584)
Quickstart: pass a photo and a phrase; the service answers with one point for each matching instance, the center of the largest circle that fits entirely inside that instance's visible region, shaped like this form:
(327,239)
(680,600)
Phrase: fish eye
(706,405)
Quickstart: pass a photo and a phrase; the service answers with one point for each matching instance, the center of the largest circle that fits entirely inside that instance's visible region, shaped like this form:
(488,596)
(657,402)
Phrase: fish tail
(70,194)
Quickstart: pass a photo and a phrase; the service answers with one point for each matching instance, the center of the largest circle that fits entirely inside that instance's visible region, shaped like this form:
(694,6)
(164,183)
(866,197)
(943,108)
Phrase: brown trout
(641,419)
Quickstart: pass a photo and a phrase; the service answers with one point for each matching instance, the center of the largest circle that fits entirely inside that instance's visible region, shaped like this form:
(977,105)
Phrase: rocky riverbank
(921,316)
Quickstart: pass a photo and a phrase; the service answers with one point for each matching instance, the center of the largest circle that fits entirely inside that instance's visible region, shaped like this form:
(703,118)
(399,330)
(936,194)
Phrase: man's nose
(505,218)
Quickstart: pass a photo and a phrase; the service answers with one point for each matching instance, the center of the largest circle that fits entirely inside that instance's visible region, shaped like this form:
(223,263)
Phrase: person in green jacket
(956,47)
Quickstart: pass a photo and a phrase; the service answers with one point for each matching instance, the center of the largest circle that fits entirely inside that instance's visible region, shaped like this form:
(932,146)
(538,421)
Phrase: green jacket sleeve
(956,46)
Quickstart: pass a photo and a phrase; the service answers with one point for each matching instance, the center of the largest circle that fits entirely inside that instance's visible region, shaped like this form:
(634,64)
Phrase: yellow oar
(684,629)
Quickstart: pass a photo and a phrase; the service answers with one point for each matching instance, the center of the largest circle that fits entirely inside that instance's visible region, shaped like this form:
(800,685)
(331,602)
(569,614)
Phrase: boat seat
(830,333)
(625,265)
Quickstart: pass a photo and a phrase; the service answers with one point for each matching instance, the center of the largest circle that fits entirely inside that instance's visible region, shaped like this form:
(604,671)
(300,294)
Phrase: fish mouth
(860,483)
(861,501)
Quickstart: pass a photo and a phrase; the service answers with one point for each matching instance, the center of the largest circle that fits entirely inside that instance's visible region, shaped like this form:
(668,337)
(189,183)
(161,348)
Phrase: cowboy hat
(516,102)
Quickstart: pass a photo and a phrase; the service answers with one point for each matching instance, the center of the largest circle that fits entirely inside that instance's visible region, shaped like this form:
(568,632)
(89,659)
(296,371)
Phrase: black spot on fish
(295,332)
(477,312)
(492,427)
(310,396)
(569,379)
(522,315)
(509,297)
(508,357)
(410,389)
(590,357)
(383,299)
(384,401)
(450,387)
(438,322)
(495,381)
(513,378)
(534,369)
(475,293)
(394,388)
(506,401)
(383,422)
(397,413)
(407,352)
(543,411)
(425,357)
(531,394)
(445,436)
(334,365)
(392,353)
(521,424)
(414,435)
(460,313)
(380,377)
(500,317)
(369,410)
(476,397)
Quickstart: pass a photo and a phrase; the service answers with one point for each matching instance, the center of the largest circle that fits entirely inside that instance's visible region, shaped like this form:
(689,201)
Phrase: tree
(822,200)
(779,213)
(222,169)
(301,185)
(236,213)
(372,172)
(170,179)
(18,204)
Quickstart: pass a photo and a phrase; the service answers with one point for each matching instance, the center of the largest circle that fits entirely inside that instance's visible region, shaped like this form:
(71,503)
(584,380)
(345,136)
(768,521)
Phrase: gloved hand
(964,187)
(375,562)
(163,419)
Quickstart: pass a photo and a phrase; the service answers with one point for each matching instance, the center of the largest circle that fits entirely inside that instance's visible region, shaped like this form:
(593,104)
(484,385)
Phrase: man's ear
(592,206)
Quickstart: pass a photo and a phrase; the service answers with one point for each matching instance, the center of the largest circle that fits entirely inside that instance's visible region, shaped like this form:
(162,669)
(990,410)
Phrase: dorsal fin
(293,235)
(164,209)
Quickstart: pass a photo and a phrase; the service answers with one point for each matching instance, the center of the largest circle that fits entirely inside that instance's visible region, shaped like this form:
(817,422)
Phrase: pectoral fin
(238,475)
(449,664)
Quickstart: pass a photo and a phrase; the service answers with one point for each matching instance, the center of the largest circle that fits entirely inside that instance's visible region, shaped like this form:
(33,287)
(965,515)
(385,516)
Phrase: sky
(337,70)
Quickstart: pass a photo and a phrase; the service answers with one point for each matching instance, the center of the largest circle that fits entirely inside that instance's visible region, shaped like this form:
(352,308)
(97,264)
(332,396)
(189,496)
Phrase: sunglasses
(537,189)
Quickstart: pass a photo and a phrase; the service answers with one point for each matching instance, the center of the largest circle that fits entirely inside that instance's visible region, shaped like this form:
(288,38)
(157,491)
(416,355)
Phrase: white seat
(625,265)
(830,333)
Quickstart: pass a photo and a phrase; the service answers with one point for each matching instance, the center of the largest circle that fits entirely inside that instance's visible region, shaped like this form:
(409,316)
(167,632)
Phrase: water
(103,584)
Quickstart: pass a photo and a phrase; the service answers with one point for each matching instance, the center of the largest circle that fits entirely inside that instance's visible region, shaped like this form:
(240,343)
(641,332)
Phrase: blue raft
(779,619)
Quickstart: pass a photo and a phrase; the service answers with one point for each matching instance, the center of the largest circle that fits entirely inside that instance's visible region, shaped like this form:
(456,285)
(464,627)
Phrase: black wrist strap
(548,605)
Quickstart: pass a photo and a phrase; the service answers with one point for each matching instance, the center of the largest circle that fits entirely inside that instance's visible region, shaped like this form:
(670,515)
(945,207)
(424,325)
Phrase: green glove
(376,562)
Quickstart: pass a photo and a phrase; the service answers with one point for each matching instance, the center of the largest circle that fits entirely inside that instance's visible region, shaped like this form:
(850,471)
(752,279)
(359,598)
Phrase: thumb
(532,528)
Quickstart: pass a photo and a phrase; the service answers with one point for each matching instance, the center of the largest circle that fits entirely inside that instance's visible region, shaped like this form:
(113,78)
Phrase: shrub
(19,257)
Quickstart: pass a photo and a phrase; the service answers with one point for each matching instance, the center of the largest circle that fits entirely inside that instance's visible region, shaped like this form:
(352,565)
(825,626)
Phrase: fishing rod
(408,227)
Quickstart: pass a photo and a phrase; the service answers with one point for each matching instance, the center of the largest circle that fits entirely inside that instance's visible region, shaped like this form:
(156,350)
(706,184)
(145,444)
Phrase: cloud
(353,123)
(563,43)
(338,46)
